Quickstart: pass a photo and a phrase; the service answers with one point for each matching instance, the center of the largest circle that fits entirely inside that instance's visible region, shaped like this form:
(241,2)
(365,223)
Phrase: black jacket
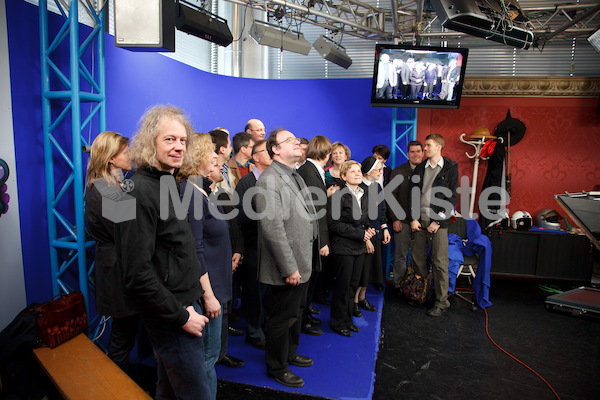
(248,226)
(157,257)
(346,234)
(401,192)
(313,180)
(374,189)
(108,281)
(447,178)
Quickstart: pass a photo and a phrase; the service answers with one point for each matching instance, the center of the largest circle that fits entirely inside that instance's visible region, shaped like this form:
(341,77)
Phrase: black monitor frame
(420,53)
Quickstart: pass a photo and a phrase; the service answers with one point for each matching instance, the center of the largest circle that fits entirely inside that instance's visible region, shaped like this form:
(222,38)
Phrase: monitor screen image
(418,76)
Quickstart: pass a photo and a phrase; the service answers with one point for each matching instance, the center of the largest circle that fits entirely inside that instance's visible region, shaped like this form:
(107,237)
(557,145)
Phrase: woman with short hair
(348,232)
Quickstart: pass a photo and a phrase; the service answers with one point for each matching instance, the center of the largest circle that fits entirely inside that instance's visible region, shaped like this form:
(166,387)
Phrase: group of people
(416,79)
(281,222)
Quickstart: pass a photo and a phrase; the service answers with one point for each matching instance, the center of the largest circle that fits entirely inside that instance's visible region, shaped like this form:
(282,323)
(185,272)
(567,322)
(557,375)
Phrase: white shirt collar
(319,168)
(440,163)
(366,181)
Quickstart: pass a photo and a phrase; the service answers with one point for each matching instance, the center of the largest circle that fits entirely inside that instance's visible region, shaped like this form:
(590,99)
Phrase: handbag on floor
(416,287)
(62,318)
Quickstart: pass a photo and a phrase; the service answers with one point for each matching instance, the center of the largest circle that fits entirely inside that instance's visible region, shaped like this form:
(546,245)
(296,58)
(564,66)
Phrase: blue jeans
(212,347)
(179,360)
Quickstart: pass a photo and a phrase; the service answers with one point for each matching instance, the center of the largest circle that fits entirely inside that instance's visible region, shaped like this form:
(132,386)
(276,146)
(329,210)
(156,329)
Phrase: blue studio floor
(344,368)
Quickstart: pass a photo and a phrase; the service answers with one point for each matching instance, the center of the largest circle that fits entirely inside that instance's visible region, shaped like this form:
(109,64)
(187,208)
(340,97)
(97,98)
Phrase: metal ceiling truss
(409,21)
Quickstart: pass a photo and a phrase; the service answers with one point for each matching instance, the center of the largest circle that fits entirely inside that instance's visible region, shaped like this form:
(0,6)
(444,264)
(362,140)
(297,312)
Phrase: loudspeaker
(594,40)
(266,35)
(331,52)
(204,25)
(145,25)
(482,19)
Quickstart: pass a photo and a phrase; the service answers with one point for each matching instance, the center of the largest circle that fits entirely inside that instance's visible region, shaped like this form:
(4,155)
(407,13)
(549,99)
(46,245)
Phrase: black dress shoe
(313,321)
(301,361)
(289,379)
(365,305)
(231,362)
(311,330)
(356,311)
(235,331)
(313,310)
(343,332)
(353,328)
(258,343)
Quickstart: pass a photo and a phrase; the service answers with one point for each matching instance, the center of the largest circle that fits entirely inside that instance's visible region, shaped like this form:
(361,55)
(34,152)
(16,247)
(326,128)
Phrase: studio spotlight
(271,35)
(203,24)
(331,51)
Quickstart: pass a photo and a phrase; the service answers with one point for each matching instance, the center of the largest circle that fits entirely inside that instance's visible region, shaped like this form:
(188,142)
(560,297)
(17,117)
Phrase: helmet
(548,219)
(521,221)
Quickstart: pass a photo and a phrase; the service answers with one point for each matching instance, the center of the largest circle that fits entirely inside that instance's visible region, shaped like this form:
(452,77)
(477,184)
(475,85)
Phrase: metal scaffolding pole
(64,119)
(404,129)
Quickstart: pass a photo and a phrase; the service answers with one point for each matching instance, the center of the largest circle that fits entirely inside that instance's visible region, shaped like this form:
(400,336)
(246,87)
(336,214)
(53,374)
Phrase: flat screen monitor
(418,76)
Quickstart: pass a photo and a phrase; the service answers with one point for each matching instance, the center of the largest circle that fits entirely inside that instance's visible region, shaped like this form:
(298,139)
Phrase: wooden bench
(80,370)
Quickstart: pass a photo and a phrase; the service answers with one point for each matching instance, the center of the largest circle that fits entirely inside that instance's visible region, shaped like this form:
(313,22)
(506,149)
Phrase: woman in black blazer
(372,268)
(109,161)
(347,237)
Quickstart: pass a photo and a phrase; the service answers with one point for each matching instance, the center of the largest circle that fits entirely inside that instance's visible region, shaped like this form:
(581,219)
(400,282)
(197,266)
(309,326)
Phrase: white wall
(12,281)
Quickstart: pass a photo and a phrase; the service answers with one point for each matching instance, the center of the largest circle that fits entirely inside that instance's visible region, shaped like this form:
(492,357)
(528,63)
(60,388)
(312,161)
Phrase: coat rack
(478,139)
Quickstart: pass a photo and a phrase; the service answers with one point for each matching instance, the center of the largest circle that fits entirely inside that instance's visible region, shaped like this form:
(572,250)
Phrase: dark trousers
(123,334)
(310,295)
(283,326)
(372,271)
(414,90)
(253,296)
(348,270)
(224,329)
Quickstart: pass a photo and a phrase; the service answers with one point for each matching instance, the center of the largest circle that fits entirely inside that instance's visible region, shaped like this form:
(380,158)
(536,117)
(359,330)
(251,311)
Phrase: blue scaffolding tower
(404,129)
(72,101)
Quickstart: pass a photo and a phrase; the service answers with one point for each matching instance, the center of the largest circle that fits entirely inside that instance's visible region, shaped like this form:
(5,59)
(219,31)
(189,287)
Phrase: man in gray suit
(286,231)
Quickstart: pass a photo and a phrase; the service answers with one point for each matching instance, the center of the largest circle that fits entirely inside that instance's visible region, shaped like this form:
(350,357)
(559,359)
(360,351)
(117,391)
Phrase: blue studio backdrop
(339,109)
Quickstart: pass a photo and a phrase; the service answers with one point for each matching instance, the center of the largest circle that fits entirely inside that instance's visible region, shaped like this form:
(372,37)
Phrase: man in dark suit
(286,231)
(254,293)
(317,155)
(401,223)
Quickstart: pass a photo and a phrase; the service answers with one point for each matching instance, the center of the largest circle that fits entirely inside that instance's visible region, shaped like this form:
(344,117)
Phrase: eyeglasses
(258,151)
(289,140)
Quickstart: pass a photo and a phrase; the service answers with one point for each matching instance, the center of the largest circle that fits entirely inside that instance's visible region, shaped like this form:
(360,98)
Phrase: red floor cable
(515,358)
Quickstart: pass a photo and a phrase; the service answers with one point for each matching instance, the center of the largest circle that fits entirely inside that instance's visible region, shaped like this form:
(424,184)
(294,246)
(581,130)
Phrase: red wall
(559,152)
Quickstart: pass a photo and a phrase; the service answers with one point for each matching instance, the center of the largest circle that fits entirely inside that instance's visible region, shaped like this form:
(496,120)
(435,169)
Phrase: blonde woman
(109,159)
(213,245)
(340,153)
